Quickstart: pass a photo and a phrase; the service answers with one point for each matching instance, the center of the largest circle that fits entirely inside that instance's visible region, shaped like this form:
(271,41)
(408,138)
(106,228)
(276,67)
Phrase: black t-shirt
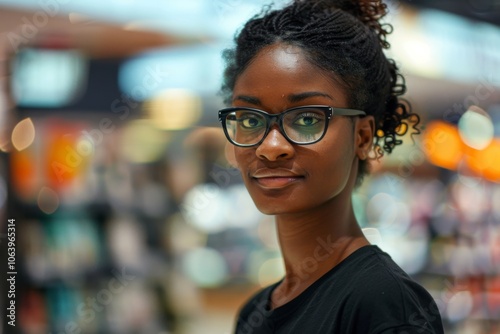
(367,293)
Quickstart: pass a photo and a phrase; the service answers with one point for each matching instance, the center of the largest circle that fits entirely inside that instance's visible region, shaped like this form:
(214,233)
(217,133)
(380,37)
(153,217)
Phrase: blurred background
(128,217)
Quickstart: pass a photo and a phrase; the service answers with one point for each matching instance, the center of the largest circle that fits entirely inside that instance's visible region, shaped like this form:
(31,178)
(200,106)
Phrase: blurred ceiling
(445,99)
(97,39)
(122,28)
(479,10)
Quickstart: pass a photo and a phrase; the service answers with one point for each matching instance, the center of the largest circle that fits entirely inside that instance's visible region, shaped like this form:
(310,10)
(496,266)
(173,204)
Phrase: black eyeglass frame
(278,118)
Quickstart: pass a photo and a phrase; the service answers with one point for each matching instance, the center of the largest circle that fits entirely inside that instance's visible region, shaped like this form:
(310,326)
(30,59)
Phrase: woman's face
(282,177)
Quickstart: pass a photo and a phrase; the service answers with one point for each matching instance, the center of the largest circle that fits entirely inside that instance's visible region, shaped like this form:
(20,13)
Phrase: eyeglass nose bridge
(274,119)
(271,120)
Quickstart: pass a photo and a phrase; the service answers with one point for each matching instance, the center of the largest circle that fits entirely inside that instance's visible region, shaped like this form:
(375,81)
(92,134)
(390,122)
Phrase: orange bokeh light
(486,162)
(24,174)
(63,161)
(442,145)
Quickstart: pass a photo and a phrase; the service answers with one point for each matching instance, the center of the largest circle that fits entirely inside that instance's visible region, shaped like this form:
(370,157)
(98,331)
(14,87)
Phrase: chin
(278,201)
(278,207)
(269,207)
(269,211)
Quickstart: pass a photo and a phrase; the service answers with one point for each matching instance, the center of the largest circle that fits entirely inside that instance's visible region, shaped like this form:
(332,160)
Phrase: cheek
(229,153)
(337,153)
(334,164)
(242,157)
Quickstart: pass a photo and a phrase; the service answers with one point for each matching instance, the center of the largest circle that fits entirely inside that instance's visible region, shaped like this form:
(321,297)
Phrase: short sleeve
(395,305)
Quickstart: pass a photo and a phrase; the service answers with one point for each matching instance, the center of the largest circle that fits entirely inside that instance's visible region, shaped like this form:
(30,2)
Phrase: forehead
(282,57)
(280,70)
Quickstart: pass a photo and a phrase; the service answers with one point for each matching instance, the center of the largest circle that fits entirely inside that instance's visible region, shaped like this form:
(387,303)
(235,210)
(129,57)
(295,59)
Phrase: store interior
(129,218)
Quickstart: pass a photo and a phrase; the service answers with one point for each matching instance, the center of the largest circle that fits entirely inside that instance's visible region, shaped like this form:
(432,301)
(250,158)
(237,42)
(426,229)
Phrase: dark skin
(307,188)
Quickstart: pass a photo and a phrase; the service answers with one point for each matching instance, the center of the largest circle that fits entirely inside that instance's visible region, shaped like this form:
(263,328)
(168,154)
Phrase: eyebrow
(248,99)
(302,96)
(293,98)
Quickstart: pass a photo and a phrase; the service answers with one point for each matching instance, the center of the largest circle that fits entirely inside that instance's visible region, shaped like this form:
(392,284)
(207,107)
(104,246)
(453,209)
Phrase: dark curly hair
(346,39)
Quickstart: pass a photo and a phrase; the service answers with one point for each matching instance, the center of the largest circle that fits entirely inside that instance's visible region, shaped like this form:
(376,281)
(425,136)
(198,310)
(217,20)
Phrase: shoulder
(384,295)
(380,278)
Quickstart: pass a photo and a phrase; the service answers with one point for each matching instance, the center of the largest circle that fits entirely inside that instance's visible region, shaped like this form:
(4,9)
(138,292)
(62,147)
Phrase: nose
(275,147)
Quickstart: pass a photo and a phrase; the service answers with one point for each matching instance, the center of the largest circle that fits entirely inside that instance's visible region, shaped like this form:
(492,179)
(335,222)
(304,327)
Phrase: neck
(314,243)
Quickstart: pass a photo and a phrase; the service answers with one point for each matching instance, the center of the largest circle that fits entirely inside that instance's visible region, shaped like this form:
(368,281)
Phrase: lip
(275,179)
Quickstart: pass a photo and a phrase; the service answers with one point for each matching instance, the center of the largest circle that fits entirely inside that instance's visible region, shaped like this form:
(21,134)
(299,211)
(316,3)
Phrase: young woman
(312,98)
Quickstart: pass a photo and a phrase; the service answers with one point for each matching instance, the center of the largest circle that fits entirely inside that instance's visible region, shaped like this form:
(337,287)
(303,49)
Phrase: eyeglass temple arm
(348,112)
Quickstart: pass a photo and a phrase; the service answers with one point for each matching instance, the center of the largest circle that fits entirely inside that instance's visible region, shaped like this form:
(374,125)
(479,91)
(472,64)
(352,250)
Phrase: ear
(364,132)
(230,156)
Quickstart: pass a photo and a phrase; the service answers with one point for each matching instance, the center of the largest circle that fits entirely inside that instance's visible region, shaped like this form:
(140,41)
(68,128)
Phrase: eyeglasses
(246,127)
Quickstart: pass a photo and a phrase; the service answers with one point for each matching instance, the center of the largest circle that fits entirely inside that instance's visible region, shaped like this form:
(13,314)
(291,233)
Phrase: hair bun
(370,12)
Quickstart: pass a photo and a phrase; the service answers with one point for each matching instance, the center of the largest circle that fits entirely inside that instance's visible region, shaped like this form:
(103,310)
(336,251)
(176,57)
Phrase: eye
(308,119)
(250,121)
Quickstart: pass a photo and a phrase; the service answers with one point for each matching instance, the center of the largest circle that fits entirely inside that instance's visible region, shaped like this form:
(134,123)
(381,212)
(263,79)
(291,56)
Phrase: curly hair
(345,38)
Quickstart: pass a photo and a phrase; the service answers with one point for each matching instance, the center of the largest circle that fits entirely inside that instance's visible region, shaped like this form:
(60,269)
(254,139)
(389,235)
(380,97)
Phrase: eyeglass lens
(247,127)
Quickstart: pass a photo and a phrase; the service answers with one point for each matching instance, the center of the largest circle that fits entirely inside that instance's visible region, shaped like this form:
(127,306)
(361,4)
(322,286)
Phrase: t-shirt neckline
(286,309)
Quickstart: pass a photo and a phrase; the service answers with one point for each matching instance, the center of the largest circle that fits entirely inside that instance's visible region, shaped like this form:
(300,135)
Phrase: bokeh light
(476,128)
(271,271)
(486,162)
(265,267)
(23,134)
(203,205)
(48,200)
(174,109)
(443,145)
(143,142)
(266,230)
(408,251)
(459,306)
(241,211)
(183,237)
(126,240)
(205,267)
(388,214)
(24,174)
(373,235)
(67,153)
